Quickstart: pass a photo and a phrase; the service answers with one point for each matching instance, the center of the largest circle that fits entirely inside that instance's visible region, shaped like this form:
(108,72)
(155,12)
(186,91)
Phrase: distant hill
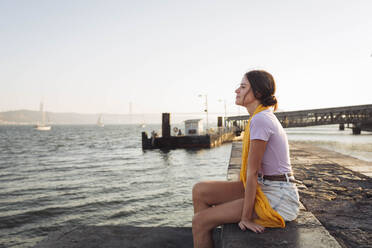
(20,116)
(30,117)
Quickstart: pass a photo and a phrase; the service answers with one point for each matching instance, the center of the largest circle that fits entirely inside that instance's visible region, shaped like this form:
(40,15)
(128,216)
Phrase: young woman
(265,168)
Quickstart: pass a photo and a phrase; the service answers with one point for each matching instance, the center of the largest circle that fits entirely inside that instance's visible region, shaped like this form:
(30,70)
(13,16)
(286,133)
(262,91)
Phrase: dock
(189,140)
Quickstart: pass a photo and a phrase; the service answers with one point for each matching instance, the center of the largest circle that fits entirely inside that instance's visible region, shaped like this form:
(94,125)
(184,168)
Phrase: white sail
(143,123)
(43,125)
(100,121)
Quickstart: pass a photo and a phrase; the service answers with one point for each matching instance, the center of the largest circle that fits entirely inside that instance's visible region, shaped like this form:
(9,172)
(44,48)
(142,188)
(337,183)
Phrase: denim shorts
(283,197)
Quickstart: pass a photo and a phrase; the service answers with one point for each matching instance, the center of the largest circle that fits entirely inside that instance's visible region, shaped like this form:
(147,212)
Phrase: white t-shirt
(265,126)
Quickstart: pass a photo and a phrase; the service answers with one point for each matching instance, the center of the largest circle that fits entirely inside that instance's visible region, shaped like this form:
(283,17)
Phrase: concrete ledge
(305,231)
(122,237)
(118,236)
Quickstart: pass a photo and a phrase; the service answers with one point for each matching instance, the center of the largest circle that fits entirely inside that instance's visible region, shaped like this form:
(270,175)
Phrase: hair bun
(269,100)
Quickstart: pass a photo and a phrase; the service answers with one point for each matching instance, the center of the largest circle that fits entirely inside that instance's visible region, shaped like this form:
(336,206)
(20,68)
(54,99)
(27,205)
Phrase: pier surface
(337,191)
(313,154)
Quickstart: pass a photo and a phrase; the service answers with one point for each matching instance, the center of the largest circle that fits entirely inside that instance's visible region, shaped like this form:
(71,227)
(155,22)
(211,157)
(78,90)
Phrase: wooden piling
(341,127)
(165,129)
(219,121)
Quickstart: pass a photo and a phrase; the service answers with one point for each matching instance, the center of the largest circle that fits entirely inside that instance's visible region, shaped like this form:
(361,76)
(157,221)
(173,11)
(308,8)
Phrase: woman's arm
(255,154)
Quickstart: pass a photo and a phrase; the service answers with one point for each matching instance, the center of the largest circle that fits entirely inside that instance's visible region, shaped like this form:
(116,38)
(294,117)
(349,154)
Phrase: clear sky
(97,56)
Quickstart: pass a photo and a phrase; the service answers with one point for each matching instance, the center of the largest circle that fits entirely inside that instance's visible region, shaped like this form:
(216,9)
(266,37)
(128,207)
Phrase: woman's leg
(207,219)
(207,194)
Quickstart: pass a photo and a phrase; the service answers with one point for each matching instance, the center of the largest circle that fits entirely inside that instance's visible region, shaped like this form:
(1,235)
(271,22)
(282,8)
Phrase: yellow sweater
(267,216)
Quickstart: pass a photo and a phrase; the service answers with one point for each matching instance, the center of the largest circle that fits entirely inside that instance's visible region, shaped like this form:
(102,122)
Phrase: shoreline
(337,190)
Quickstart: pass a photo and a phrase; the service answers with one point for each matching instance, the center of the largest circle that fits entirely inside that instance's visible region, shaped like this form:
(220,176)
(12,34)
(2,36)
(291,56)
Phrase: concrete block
(306,231)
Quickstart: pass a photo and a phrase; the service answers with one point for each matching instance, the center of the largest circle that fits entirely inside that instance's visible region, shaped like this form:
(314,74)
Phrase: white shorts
(283,197)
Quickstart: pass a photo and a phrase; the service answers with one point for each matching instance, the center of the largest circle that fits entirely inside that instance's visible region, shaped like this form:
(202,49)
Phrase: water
(100,176)
(329,137)
(95,176)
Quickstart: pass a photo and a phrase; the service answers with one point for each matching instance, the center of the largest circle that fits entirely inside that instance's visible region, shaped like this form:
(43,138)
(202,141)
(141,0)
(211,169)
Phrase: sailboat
(43,125)
(143,124)
(100,121)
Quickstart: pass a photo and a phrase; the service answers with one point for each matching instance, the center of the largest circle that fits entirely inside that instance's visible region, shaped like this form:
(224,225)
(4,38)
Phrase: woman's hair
(263,86)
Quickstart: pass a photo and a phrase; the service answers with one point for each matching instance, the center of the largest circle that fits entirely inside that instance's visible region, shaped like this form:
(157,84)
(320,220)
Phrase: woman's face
(244,94)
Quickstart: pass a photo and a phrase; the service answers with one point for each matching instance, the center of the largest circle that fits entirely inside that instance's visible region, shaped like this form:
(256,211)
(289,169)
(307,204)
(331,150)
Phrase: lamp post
(206,107)
(224,105)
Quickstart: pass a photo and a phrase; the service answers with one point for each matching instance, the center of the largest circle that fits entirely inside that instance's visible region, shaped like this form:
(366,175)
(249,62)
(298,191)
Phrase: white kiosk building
(194,127)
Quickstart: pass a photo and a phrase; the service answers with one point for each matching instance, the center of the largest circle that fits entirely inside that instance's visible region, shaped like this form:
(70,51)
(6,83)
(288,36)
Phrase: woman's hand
(247,224)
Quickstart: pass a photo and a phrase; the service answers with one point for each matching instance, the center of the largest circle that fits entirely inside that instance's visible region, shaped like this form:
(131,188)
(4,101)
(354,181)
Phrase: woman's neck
(252,107)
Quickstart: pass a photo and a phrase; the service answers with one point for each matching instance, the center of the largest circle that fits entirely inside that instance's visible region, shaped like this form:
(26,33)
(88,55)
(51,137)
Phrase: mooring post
(219,124)
(341,127)
(144,140)
(165,127)
(219,121)
(356,129)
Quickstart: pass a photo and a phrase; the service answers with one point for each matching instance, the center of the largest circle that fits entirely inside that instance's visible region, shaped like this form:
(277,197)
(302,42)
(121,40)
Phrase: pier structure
(358,118)
(192,140)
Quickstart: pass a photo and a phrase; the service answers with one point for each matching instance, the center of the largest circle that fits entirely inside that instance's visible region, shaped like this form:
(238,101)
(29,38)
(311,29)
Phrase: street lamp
(206,107)
(224,104)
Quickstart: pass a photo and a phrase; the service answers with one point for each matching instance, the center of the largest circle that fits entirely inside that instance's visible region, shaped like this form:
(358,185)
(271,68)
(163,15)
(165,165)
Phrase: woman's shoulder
(263,118)
(261,126)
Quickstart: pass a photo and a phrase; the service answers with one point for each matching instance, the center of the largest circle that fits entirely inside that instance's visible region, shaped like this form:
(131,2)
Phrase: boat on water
(143,123)
(43,126)
(100,121)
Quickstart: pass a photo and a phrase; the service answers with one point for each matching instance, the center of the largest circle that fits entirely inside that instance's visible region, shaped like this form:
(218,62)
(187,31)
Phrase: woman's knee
(199,191)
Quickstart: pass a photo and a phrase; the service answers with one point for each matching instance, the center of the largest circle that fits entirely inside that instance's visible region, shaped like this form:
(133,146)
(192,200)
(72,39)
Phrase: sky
(159,56)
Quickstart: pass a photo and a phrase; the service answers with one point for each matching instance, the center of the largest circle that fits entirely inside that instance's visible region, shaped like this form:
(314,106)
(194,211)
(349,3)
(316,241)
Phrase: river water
(329,137)
(101,176)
